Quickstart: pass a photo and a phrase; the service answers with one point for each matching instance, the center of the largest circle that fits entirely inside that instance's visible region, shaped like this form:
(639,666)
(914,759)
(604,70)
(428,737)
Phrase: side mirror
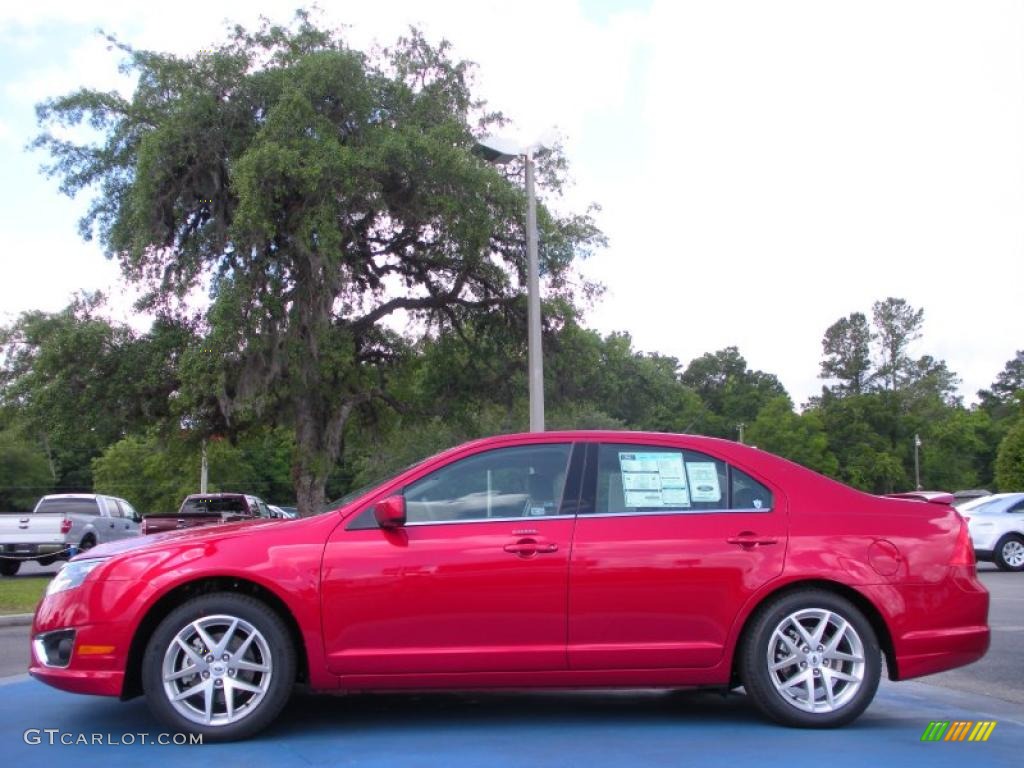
(390,512)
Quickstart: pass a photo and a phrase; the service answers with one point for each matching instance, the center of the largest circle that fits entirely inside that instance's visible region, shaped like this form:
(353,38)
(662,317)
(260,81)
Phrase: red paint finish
(567,598)
(447,598)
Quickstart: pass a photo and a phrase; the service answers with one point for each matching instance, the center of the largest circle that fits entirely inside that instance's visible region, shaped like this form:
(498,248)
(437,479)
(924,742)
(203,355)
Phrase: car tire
(87,543)
(9,567)
(252,660)
(810,659)
(1008,554)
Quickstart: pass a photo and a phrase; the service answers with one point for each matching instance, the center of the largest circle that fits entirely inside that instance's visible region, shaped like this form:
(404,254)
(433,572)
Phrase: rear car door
(129,522)
(669,545)
(476,579)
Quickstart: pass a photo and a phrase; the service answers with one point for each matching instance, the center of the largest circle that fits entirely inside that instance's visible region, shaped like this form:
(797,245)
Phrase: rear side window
(748,493)
(204,505)
(68,507)
(641,478)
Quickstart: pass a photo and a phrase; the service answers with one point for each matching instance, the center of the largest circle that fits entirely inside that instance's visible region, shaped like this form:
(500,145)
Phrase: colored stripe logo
(958,730)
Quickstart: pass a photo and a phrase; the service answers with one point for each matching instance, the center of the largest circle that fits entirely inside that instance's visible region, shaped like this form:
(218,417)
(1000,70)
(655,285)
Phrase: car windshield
(364,489)
(204,505)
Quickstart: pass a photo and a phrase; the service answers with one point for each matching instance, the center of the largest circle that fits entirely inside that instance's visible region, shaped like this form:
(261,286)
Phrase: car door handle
(530,547)
(749,540)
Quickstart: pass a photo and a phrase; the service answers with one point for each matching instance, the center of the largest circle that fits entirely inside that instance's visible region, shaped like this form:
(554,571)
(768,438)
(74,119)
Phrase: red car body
(570,599)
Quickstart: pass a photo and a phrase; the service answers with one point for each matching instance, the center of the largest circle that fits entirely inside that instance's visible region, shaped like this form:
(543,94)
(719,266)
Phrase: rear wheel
(221,665)
(1009,553)
(811,659)
(87,543)
(9,567)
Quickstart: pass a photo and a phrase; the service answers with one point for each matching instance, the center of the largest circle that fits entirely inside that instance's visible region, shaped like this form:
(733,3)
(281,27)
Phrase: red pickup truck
(208,509)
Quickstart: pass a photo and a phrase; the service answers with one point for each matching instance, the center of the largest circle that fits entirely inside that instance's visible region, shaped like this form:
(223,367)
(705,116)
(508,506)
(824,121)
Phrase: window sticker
(703,477)
(654,480)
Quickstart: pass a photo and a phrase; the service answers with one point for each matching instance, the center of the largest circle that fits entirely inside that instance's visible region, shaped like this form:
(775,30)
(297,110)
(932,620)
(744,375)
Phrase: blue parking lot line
(494,730)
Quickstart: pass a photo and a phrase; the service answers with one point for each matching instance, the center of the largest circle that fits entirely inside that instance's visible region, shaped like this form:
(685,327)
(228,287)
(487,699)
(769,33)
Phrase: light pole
(500,151)
(917,462)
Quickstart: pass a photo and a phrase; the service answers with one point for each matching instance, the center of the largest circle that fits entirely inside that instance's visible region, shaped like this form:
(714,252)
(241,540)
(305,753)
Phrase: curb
(16,620)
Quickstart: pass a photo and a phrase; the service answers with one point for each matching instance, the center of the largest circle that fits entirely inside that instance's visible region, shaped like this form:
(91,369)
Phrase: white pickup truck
(62,525)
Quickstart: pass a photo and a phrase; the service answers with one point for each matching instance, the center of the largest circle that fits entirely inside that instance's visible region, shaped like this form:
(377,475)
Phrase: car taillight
(65,526)
(143,526)
(963,550)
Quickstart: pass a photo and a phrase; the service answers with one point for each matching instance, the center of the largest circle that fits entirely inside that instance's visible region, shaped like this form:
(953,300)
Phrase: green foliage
(732,393)
(897,325)
(323,189)
(1000,399)
(847,348)
(24,473)
(155,472)
(1010,460)
(79,382)
(797,437)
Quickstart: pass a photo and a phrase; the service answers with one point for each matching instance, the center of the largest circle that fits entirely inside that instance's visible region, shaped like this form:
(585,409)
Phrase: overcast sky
(764,166)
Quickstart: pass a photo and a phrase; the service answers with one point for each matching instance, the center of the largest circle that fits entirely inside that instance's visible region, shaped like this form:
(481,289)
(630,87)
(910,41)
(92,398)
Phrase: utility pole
(534,355)
(204,469)
(497,150)
(741,426)
(917,463)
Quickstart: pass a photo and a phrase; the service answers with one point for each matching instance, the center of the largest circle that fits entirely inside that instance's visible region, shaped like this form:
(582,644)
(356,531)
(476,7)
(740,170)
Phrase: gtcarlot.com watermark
(55,736)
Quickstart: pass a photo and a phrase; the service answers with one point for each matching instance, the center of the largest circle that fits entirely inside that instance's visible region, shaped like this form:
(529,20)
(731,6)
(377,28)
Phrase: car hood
(197,534)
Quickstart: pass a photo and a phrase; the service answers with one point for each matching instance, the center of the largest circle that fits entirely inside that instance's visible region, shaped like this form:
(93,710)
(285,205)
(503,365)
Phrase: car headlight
(72,575)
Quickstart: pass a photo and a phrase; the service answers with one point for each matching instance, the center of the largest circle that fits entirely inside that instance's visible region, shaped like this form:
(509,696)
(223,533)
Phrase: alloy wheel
(815,660)
(216,670)
(1013,553)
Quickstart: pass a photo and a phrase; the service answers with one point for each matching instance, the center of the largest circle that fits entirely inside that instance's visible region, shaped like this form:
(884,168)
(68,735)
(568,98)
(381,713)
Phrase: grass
(21,594)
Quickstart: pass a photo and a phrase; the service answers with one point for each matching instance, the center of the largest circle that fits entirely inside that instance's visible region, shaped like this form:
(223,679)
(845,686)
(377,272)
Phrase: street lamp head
(500,149)
(497,149)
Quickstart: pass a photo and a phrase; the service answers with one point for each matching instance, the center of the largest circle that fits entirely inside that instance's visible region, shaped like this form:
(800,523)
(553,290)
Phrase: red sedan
(568,559)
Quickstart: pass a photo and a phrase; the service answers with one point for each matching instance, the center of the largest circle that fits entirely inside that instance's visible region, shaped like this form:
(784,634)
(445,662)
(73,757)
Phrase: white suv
(997,529)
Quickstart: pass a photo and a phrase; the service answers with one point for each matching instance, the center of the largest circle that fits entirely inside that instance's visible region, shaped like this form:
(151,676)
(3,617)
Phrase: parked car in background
(556,559)
(965,497)
(997,529)
(285,513)
(61,525)
(208,509)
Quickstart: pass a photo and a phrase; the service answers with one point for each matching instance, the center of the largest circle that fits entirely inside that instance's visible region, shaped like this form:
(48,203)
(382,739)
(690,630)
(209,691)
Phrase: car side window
(748,493)
(114,507)
(1018,507)
(523,481)
(645,478)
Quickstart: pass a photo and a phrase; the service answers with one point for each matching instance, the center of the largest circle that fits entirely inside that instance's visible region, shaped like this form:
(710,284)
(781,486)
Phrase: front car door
(476,579)
(668,547)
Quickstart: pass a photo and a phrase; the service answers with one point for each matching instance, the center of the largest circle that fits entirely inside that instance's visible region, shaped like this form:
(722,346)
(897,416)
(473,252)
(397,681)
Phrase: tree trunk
(318,430)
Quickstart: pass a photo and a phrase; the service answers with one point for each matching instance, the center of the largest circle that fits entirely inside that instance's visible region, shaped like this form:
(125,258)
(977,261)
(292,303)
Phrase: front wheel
(9,567)
(221,665)
(811,659)
(1009,553)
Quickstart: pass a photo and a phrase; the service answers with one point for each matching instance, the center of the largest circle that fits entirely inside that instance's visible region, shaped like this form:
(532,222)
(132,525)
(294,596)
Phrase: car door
(129,523)
(669,545)
(475,581)
(110,523)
